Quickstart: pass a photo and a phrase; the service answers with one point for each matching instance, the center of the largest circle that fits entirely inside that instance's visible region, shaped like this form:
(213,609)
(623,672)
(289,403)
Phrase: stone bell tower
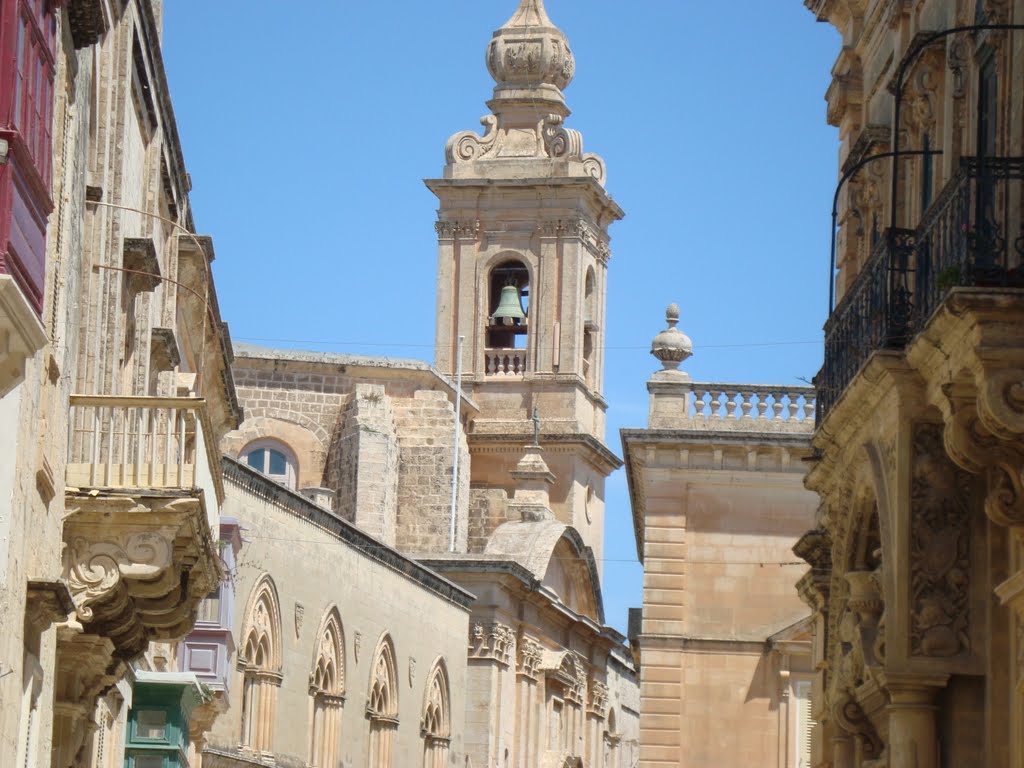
(522,266)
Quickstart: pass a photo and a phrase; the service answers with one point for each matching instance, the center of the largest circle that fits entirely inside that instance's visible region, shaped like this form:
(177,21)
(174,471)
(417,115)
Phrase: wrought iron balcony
(971,235)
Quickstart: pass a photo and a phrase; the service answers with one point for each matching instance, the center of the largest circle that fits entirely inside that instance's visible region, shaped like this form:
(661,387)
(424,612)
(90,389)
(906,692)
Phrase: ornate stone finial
(529,54)
(532,498)
(671,346)
(531,63)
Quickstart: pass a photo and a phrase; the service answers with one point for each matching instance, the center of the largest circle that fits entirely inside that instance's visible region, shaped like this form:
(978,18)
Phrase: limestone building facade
(716,488)
(915,581)
(496,486)
(115,390)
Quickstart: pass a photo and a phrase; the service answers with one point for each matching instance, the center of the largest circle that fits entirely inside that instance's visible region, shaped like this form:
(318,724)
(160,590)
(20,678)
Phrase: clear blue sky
(307,135)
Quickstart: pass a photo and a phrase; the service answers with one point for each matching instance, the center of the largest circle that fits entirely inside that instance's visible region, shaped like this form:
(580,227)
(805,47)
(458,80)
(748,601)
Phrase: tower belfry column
(523,252)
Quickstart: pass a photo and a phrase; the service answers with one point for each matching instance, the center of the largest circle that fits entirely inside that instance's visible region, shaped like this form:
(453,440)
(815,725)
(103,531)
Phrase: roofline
(368,362)
(511,568)
(298,505)
(701,436)
(592,185)
(601,452)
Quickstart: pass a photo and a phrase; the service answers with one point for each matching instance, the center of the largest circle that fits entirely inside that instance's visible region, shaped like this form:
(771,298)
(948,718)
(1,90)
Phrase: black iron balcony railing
(972,235)
(874,314)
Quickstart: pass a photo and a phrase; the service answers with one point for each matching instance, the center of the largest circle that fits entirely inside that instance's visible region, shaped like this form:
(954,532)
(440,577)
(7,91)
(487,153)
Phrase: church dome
(528,52)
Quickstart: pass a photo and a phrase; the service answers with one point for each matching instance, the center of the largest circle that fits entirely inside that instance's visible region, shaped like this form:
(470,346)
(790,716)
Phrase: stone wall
(317,562)
(425,429)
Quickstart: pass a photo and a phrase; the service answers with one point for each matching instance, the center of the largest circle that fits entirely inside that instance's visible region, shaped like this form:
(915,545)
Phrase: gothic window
(436,727)
(260,663)
(326,690)
(382,706)
(273,459)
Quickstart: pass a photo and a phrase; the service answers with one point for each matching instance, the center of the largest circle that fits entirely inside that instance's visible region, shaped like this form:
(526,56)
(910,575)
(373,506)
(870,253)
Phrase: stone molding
(21,333)
(494,641)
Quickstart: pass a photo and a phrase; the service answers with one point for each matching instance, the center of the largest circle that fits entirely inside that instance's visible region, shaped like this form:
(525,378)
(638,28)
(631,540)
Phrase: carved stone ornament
(939,549)
(412,671)
(1001,402)
(530,652)
(357,644)
(457,230)
(598,703)
(496,642)
(300,612)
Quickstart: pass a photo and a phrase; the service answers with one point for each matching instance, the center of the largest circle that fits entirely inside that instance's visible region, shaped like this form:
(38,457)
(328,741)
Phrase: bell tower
(523,252)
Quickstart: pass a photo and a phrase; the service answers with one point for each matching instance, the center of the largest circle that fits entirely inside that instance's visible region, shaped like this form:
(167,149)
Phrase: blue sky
(307,135)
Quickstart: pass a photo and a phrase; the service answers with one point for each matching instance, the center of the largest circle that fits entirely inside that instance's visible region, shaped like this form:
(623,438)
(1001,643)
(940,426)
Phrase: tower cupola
(529,58)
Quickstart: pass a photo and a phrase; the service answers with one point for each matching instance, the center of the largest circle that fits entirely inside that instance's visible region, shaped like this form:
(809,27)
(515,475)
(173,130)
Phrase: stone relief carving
(939,549)
(598,698)
(300,613)
(1001,402)
(492,641)
(95,568)
(553,140)
(451,230)
(357,644)
(468,145)
(412,671)
(530,652)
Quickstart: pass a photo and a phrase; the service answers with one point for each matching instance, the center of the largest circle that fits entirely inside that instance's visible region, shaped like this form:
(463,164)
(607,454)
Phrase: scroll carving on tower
(939,549)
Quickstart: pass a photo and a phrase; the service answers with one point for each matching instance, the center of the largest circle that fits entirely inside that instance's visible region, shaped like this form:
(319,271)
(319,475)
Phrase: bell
(510,307)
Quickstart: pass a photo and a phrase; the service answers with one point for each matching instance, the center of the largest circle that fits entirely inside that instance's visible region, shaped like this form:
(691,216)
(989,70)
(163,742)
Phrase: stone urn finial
(671,346)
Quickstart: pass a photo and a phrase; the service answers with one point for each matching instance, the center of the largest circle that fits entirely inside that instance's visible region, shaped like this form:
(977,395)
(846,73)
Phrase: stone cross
(536,427)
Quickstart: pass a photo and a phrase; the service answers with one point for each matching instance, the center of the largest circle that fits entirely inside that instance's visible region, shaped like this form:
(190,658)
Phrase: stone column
(842,751)
(913,737)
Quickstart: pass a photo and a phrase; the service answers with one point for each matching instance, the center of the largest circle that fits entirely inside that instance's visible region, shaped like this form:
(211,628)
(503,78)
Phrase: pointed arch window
(436,726)
(260,664)
(382,705)
(327,693)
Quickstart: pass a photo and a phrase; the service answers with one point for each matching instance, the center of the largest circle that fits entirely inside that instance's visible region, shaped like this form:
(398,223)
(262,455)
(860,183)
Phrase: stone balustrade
(680,404)
(505,362)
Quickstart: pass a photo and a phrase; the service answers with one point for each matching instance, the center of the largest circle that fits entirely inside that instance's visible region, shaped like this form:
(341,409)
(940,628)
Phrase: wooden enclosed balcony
(972,235)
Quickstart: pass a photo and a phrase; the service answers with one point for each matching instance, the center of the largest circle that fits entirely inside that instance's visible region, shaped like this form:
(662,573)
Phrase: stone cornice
(597,452)
(297,505)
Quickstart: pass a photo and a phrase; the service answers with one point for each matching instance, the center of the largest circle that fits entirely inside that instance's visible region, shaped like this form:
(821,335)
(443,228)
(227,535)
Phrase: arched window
(260,664)
(611,743)
(382,705)
(273,459)
(436,727)
(590,328)
(508,309)
(326,690)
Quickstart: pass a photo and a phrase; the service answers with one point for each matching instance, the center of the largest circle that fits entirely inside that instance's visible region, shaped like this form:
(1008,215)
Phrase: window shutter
(804,724)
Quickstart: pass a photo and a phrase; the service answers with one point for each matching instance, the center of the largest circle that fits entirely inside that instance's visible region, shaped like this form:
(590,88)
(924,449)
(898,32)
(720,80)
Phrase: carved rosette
(939,549)
(495,642)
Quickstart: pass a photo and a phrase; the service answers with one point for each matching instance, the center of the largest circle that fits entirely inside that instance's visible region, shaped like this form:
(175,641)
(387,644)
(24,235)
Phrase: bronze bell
(510,307)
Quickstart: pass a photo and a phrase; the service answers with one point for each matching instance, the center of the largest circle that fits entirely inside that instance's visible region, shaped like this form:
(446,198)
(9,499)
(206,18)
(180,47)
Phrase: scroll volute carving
(939,549)
(1001,401)
(973,447)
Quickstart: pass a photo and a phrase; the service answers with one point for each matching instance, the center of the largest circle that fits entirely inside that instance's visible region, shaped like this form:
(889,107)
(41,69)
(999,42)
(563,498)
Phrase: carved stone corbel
(1001,401)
